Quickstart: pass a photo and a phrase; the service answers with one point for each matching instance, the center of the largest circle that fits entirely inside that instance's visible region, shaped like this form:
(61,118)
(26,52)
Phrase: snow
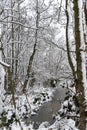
(65,103)
(4,64)
(23,103)
(67,124)
(36,92)
(33,93)
(64,124)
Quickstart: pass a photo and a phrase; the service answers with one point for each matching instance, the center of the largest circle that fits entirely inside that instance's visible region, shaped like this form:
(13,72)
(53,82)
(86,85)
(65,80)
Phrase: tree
(34,48)
(79,71)
(42,28)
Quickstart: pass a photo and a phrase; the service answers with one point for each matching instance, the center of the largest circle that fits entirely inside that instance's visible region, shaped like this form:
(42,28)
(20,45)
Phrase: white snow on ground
(41,93)
(64,124)
(17,127)
(38,92)
(36,96)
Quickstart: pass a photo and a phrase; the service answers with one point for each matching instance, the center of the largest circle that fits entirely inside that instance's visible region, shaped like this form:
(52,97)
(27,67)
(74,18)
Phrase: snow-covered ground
(28,104)
(39,95)
(36,96)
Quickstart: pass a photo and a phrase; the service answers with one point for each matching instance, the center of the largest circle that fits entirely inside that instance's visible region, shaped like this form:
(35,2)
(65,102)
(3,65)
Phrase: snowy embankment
(39,95)
(36,97)
(32,100)
(28,104)
(64,124)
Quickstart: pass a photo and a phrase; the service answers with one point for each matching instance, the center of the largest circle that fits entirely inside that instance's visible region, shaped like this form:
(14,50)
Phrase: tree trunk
(79,80)
(85,11)
(34,49)
(17,47)
(12,36)
(67,43)
(11,86)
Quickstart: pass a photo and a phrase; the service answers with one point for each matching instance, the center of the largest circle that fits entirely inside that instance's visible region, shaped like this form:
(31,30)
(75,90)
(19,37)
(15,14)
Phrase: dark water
(49,109)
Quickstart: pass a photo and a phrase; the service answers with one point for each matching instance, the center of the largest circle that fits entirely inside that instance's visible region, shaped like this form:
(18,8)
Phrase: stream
(48,109)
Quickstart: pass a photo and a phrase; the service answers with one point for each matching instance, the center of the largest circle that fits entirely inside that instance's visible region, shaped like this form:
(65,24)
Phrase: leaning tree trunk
(79,81)
(34,50)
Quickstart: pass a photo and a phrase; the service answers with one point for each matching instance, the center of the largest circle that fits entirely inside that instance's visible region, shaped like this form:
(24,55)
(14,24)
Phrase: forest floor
(37,96)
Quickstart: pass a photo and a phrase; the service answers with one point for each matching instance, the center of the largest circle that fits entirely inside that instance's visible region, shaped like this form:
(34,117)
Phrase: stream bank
(49,109)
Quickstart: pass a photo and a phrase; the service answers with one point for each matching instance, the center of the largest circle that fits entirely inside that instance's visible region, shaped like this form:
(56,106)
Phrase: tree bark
(11,86)
(67,43)
(12,36)
(85,11)
(79,80)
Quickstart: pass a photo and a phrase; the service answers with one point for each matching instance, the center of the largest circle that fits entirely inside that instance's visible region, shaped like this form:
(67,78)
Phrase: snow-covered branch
(4,64)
